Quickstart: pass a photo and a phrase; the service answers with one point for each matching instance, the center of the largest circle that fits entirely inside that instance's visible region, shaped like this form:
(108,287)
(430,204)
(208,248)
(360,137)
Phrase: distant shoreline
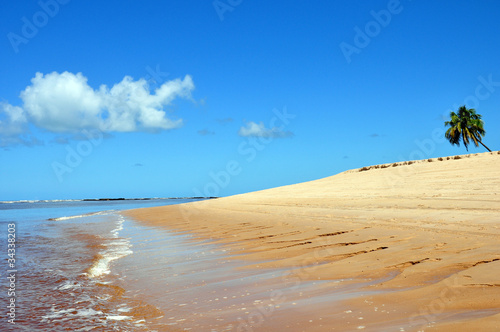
(102,199)
(141,199)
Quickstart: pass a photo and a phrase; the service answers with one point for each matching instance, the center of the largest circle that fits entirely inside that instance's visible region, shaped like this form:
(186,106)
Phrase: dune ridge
(427,232)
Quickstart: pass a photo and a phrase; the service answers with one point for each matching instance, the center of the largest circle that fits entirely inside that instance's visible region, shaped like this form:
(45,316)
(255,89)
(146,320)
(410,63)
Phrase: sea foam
(115,248)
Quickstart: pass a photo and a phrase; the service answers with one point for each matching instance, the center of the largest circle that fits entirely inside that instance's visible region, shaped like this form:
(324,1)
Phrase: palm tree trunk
(485,146)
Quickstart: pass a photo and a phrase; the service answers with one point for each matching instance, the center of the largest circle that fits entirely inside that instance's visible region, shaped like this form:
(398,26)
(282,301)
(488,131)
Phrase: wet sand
(394,247)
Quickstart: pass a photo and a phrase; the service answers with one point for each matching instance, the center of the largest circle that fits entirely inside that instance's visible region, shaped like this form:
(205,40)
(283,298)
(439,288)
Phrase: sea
(75,265)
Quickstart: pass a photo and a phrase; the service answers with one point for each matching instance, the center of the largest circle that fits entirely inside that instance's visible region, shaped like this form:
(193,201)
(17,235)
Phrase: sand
(422,238)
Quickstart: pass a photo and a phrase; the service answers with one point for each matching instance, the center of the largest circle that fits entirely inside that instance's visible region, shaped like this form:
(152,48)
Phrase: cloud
(253,129)
(25,139)
(12,120)
(205,132)
(80,136)
(14,127)
(225,120)
(61,140)
(65,103)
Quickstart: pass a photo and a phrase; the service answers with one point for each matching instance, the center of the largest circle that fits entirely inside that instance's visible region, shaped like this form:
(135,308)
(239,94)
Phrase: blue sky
(214,98)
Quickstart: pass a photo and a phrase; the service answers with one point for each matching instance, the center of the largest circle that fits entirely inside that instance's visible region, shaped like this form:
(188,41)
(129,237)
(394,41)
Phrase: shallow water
(62,273)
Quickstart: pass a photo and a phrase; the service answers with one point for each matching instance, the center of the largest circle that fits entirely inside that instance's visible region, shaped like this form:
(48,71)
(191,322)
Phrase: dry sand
(423,236)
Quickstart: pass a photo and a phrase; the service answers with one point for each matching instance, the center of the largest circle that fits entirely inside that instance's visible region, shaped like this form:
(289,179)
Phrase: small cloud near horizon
(60,140)
(66,139)
(225,120)
(253,129)
(375,135)
(19,140)
(205,132)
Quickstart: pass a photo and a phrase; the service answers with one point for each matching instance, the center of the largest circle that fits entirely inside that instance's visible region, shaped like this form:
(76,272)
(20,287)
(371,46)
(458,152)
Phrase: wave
(71,270)
(80,215)
(114,249)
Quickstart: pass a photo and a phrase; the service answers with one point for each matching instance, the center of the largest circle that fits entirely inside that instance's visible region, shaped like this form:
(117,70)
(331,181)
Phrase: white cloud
(205,132)
(12,120)
(65,103)
(61,102)
(25,139)
(130,106)
(14,127)
(225,120)
(253,129)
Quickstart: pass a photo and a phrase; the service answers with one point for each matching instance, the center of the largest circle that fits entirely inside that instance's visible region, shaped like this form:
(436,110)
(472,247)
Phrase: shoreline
(427,231)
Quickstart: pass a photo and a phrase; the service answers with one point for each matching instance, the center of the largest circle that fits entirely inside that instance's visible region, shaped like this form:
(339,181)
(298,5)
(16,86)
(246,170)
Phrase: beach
(408,246)
(250,166)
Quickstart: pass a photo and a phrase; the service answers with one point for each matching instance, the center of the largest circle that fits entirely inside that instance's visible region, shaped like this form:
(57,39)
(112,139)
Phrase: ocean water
(58,270)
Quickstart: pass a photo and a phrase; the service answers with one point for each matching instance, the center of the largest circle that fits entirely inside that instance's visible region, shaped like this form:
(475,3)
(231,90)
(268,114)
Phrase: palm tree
(466,126)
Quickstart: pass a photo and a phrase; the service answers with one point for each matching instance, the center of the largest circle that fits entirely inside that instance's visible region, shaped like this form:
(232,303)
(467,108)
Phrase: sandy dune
(426,234)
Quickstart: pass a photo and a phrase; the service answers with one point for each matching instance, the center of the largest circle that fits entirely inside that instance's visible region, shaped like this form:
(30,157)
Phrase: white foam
(88,312)
(124,309)
(79,216)
(69,285)
(66,218)
(71,312)
(118,317)
(115,249)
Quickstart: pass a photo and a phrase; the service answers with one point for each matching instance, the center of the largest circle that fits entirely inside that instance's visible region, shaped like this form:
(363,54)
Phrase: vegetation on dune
(465,126)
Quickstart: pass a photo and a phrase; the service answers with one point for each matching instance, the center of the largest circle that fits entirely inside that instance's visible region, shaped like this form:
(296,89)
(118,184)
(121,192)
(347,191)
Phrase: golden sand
(425,235)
